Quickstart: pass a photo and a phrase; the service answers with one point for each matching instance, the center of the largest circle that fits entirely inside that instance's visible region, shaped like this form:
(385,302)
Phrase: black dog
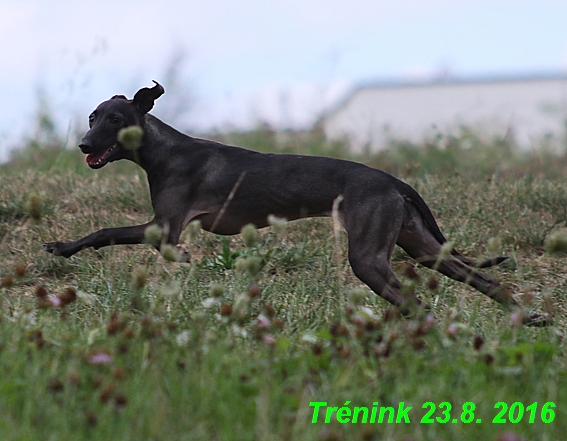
(228,187)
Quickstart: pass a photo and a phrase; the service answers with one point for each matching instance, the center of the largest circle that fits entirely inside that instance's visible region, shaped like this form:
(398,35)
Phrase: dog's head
(100,143)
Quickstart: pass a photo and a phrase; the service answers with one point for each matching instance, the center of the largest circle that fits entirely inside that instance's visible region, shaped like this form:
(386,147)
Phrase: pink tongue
(91,159)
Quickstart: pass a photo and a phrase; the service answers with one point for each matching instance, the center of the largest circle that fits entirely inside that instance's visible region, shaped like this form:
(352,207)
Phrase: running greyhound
(228,187)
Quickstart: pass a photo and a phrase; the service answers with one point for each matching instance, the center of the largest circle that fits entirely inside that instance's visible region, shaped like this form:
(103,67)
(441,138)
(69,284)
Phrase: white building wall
(528,109)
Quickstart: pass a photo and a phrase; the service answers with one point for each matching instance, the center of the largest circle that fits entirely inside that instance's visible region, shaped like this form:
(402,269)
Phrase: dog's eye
(91,120)
(116,120)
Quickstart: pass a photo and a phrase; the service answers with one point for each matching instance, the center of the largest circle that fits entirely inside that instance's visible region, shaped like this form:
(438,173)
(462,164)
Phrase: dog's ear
(144,98)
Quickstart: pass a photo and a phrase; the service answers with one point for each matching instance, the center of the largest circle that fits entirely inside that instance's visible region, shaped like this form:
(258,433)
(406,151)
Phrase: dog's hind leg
(418,241)
(371,240)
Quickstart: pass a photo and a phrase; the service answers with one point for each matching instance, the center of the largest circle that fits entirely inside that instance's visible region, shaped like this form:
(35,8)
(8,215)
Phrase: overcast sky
(235,62)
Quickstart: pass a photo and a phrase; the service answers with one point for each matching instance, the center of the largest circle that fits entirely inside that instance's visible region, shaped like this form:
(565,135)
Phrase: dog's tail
(413,196)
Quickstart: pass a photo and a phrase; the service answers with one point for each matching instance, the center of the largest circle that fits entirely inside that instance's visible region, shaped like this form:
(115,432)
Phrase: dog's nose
(85,147)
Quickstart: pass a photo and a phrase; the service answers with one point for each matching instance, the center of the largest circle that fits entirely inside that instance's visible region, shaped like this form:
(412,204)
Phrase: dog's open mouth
(101,159)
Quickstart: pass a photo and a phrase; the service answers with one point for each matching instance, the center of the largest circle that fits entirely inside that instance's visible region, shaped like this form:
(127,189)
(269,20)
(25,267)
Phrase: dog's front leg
(99,239)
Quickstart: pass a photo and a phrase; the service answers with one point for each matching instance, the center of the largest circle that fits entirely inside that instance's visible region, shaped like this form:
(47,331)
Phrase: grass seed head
(556,242)
(193,230)
(249,264)
(131,137)
(517,318)
(153,234)
(139,277)
(217,290)
(357,296)
(547,302)
(250,235)
(277,223)
(446,250)
(494,244)
(241,305)
(169,253)
(183,338)
(34,205)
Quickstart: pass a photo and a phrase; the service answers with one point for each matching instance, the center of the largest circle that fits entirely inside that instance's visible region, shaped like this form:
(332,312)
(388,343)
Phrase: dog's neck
(158,145)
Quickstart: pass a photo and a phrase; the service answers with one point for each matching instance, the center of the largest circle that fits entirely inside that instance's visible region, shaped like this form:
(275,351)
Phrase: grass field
(256,342)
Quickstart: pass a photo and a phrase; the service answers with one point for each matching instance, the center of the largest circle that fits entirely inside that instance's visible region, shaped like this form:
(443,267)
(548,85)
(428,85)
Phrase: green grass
(172,367)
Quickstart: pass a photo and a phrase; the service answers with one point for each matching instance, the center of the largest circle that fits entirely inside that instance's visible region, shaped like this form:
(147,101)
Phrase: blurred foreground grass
(237,344)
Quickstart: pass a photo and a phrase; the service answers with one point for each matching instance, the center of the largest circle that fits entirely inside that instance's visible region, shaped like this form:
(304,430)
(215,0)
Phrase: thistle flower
(42,298)
(21,269)
(226,309)
(131,137)
(478,342)
(269,340)
(432,283)
(99,358)
(269,310)
(410,272)
(115,324)
(68,296)
(263,322)
(6,282)
(254,291)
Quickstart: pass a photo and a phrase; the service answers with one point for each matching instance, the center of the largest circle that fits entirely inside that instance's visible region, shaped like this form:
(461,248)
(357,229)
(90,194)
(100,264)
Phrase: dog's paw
(57,249)
(184,256)
(537,319)
(51,247)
